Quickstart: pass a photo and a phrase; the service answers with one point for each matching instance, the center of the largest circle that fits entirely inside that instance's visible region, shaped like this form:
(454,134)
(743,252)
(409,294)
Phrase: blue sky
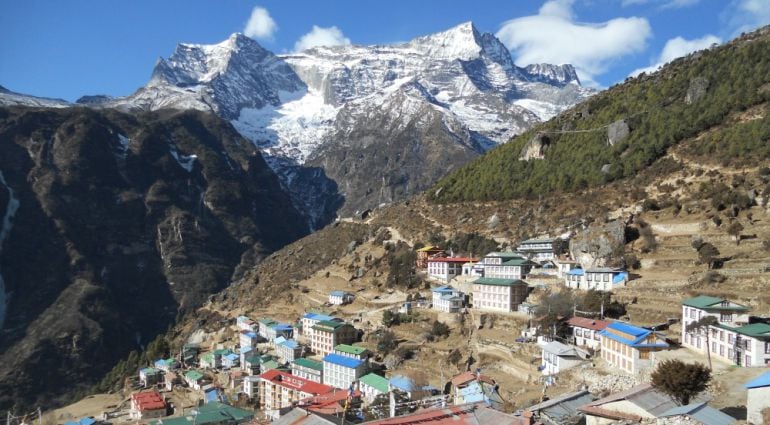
(71,48)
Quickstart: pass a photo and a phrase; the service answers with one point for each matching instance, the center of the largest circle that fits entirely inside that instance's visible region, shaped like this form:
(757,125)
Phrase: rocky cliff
(113,225)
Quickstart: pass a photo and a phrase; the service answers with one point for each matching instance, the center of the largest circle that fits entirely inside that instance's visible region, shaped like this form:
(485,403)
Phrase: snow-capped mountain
(10,98)
(297,108)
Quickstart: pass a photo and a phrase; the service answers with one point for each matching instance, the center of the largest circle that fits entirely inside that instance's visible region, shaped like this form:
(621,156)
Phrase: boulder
(599,245)
(535,147)
(696,90)
(617,131)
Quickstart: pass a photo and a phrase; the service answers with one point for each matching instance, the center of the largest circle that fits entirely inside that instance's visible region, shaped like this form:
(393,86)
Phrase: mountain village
(423,232)
(322,367)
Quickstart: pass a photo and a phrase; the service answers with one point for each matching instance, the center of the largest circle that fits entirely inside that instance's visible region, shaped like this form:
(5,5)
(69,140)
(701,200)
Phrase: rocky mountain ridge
(301,109)
(113,225)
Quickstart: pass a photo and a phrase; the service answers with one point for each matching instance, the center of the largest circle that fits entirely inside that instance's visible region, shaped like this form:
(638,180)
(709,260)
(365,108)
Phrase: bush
(679,380)
(439,329)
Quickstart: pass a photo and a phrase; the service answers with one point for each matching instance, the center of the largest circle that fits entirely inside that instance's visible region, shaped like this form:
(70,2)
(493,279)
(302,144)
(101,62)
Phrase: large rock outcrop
(599,245)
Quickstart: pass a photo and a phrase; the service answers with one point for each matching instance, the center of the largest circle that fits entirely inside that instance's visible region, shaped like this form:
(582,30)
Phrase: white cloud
(747,15)
(676,48)
(319,36)
(664,4)
(261,24)
(554,36)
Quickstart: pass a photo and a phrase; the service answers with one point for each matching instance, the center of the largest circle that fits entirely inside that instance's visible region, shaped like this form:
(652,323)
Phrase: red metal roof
(469,376)
(328,403)
(453,260)
(288,380)
(584,322)
(148,400)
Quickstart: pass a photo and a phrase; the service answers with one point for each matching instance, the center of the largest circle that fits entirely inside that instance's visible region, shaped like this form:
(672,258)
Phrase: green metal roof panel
(350,349)
(704,302)
(498,282)
(376,381)
(310,364)
(194,375)
(755,330)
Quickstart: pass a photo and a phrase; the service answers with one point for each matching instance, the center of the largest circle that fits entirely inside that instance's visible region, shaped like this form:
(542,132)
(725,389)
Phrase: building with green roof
(504,265)
(327,334)
(213,413)
(495,294)
(352,351)
(729,335)
(372,385)
(308,369)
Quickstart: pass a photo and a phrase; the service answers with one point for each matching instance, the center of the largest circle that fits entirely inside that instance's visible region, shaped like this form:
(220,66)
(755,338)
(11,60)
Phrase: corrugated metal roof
(560,409)
(342,360)
(702,413)
(498,282)
(761,381)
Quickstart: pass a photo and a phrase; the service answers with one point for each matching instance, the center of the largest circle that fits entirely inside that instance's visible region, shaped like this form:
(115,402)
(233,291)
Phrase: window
(722,350)
(713,347)
(747,344)
(606,277)
(722,335)
(726,317)
(748,361)
(730,353)
(767,348)
(731,338)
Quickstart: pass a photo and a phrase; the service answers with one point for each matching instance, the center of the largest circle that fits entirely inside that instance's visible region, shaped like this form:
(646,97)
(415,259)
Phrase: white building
(557,357)
(340,297)
(499,294)
(447,299)
(251,385)
(372,385)
(537,249)
(731,338)
(308,369)
(245,324)
(445,269)
(341,371)
(288,350)
(504,265)
(564,265)
(585,331)
(310,319)
(599,279)
(628,347)
(758,399)
(248,338)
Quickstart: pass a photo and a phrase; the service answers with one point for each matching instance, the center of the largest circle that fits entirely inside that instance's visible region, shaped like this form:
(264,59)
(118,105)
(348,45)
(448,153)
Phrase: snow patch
(184,161)
(293,130)
(10,213)
(544,110)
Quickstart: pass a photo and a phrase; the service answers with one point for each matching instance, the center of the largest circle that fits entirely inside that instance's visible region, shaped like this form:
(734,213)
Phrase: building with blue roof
(599,279)
(447,299)
(340,297)
(630,348)
(231,360)
(479,392)
(288,350)
(341,371)
(407,386)
(758,398)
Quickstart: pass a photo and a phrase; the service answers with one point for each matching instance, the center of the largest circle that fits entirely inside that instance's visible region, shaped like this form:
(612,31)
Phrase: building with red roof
(279,390)
(586,331)
(147,405)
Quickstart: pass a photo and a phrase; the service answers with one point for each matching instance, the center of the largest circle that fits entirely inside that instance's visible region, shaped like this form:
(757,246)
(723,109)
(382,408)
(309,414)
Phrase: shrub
(679,380)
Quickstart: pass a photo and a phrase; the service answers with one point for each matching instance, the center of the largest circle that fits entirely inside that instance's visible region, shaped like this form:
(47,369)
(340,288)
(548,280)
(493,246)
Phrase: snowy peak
(559,75)
(225,77)
(200,63)
(460,42)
